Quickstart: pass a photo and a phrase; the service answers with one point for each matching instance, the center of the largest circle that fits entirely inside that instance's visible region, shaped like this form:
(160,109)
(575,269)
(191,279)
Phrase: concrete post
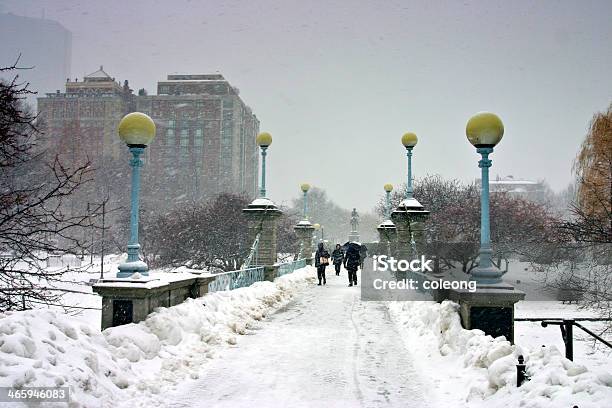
(387,236)
(490,309)
(262,216)
(404,216)
(304,231)
(132,300)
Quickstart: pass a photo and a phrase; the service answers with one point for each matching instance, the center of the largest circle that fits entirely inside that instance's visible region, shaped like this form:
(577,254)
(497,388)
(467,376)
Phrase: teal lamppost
(388,189)
(409,140)
(484,130)
(137,130)
(305,187)
(263,140)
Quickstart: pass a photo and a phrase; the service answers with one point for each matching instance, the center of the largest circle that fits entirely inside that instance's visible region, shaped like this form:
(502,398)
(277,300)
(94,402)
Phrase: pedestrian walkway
(326,348)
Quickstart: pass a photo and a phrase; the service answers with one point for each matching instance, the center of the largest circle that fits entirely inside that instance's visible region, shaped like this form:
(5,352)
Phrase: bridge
(354,353)
(331,345)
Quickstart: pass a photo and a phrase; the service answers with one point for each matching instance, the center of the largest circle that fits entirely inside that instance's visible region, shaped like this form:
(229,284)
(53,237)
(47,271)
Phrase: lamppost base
(490,276)
(490,309)
(128,269)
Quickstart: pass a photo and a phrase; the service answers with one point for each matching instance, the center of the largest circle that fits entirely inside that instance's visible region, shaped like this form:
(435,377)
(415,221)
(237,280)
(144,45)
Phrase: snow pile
(47,348)
(475,370)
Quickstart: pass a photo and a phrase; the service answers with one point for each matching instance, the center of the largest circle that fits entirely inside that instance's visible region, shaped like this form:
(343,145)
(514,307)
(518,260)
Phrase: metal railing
(247,275)
(567,330)
(252,254)
(290,267)
(236,279)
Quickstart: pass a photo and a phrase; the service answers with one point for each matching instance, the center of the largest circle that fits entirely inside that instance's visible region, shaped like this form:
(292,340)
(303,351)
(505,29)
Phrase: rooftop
(195,77)
(99,75)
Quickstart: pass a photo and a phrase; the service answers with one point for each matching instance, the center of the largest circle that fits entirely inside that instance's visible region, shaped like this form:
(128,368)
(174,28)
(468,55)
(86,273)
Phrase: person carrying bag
(321,262)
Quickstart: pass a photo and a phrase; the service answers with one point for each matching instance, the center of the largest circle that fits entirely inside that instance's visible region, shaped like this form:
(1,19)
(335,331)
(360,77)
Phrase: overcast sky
(338,82)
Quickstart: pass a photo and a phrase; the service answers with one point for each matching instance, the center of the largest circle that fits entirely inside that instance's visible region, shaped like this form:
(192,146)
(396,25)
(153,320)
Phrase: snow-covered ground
(592,354)
(292,343)
(469,369)
(326,348)
(135,362)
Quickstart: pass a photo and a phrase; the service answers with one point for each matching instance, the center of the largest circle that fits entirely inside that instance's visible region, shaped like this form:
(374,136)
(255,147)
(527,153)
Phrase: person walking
(337,258)
(321,262)
(352,261)
(363,254)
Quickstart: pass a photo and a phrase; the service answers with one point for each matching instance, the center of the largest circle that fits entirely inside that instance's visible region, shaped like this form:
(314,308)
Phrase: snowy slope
(48,348)
(469,369)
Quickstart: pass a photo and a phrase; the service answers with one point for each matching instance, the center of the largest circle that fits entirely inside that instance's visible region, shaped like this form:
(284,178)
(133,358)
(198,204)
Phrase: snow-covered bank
(469,369)
(47,348)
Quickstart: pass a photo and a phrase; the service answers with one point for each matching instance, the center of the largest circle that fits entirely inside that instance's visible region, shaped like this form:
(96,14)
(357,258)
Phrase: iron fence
(290,267)
(236,279)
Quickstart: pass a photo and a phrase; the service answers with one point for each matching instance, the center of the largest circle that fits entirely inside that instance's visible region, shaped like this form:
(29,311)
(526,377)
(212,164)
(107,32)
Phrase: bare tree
(211,234)
(35,219)
(584,264)
(519,227)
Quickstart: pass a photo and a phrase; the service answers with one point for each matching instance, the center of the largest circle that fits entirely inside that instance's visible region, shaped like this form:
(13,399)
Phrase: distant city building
(205,134)
(44,45)
(532,190)
(81,123)
(205,142)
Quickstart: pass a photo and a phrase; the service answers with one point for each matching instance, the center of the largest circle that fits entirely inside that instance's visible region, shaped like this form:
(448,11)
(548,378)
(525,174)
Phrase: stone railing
(132,301)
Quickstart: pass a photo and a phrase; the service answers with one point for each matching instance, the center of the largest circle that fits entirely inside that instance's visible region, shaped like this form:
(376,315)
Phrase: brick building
(205,136)
(205,142)
(81,123)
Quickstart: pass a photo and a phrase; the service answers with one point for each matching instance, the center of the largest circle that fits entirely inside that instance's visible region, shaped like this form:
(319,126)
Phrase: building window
(170,137)
(171,123)
(184,137)
(198,138)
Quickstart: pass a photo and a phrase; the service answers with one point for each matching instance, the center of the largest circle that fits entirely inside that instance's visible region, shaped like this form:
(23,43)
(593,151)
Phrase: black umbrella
(353,245)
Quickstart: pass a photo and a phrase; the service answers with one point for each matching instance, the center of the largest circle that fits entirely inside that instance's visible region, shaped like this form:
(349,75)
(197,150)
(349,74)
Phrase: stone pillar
(304,231)
(262,216)
(387,236)
(409,212)
(126,300)
(489,308)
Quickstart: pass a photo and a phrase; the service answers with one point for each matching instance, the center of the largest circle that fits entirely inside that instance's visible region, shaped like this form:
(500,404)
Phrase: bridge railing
(252,257)
(247,276)
(236,279)
(289,267)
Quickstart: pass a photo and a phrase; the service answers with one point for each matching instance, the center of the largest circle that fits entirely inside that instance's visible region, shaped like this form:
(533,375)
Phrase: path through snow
(325,348)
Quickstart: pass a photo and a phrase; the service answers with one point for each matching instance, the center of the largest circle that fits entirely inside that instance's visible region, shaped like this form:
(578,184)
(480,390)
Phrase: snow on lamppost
(484,130)
(388,189)
(137,130)
(264,140)
(409,140)
(305,187)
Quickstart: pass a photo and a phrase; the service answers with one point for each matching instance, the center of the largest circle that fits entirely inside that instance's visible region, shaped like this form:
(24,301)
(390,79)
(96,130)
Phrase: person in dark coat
(352,261)
(337,258)
(321,262)
(363,254)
